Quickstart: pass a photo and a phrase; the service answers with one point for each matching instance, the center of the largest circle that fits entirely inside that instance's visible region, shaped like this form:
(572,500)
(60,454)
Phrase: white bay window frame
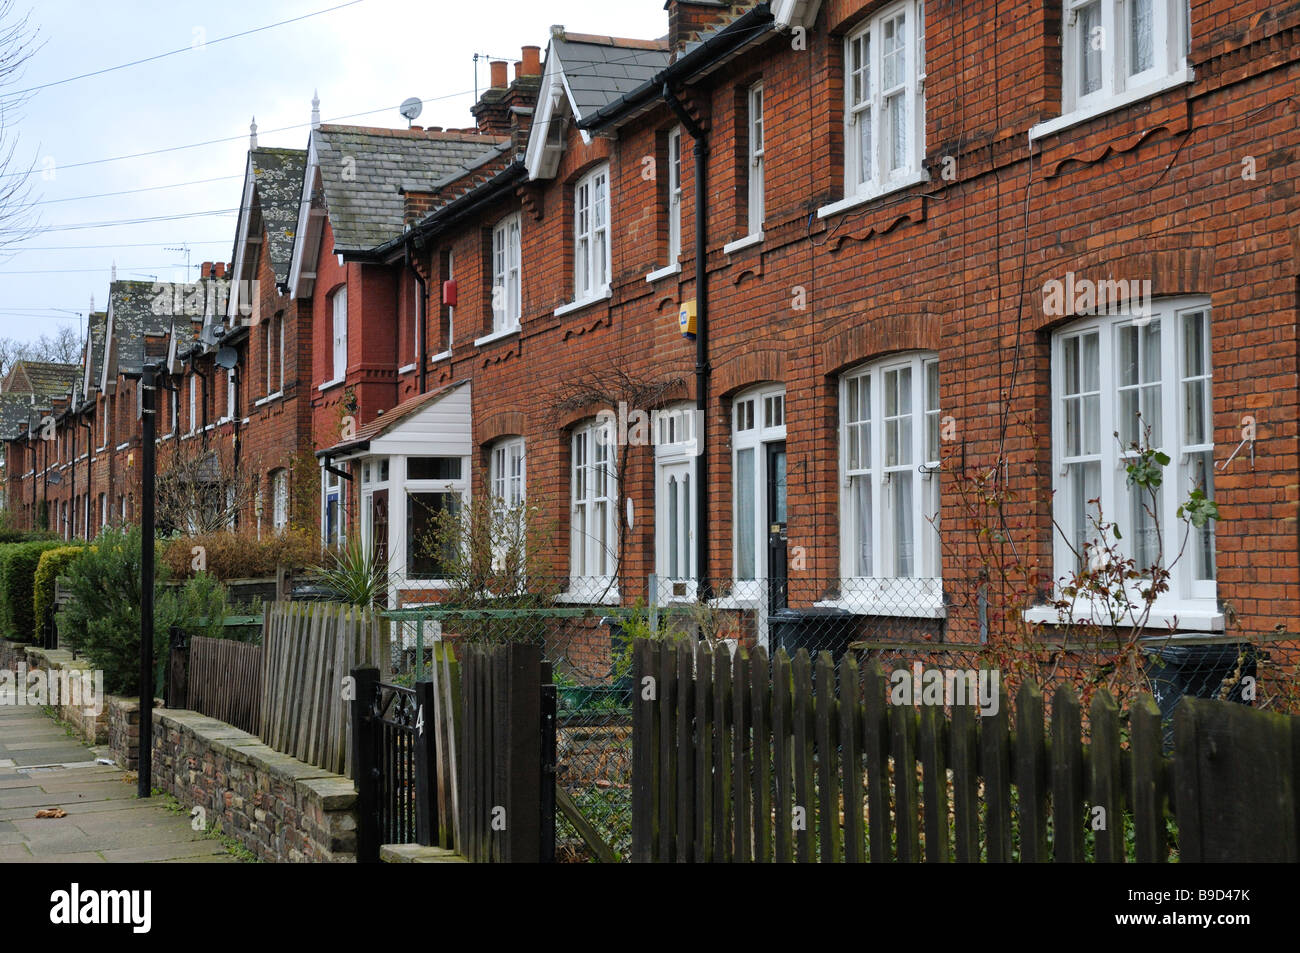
(1104,368)
(890,555)
(593,516)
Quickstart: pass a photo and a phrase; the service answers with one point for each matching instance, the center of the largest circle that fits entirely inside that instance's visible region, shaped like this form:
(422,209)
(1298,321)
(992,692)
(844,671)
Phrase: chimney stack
(505,108)
(499,78)
(687,19)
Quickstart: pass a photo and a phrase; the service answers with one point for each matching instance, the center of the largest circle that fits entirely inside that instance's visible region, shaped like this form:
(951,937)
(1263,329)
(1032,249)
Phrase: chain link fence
(929,651)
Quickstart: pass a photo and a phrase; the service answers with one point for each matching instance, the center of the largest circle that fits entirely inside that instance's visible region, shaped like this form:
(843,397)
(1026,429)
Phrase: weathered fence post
(365,763)
(426,757)
(548,727)
(178,663)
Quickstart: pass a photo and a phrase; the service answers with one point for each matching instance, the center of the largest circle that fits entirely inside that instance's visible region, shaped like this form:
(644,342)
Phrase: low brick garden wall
(277,807)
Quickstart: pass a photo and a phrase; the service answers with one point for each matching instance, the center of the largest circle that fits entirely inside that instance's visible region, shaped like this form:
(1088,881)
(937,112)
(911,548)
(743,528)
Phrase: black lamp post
(148,408)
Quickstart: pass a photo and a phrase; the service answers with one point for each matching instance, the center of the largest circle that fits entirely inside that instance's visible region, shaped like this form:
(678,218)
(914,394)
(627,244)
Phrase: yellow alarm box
(686,319)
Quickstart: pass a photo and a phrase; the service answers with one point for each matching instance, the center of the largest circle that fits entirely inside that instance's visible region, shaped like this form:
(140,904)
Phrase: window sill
(862,198)
(587,586)
(1118,101)
(919,609)
(328,384)
(263,401)
(440,356)
(1192,616)
(496,336)
(572,306)
(406,369)
(674,269)
(742,243)
(122,446)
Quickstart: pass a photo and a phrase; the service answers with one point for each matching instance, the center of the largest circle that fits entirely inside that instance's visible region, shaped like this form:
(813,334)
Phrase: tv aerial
(411,109)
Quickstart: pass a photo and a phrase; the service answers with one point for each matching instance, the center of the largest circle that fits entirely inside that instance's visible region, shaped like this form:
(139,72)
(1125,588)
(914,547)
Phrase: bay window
(593,519)
(1122,384)
(889,468)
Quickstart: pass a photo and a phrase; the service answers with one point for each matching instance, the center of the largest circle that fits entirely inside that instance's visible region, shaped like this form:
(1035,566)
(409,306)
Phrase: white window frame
(339,306)
(1116,83)
(756,125)
(332,485)
(866,100)
(507,288)
(407,487)
(674,196)
(194,418)
(507,471)
(1191,602)
(269,339)
(757,417)
(676,451)
(880,446)
(230,393)
(592,256)
(593,504)
(279,500)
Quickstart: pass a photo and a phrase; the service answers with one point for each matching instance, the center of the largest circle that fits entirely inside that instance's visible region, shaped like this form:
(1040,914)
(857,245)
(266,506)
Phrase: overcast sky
(363,58)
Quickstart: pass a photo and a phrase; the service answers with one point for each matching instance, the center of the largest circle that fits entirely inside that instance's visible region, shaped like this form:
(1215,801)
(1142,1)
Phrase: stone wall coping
(331,791)
(416,854)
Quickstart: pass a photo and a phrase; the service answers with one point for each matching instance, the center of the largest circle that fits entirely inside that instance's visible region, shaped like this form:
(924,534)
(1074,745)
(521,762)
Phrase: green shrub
(240,555)
(9,535)
(18,563)
(52,564)
(103,621)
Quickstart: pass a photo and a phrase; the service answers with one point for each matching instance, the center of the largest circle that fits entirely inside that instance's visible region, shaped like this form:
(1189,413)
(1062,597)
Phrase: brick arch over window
(746,370)
(876,337)
(1173,271)
(509,423)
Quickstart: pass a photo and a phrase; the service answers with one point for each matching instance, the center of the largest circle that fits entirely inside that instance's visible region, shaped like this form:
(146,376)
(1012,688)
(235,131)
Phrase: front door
(778,573)
(676,521)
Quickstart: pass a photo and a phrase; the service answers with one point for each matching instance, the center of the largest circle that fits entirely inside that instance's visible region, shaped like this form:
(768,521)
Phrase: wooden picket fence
(225,681)
(738,760)
(309,648)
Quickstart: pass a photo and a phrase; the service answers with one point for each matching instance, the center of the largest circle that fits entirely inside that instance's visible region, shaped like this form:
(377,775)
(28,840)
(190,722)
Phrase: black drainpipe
(420,306)
(701,337)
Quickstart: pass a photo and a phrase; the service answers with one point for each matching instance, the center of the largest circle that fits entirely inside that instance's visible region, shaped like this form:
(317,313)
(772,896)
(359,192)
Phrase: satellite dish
(411,109)
(227,358)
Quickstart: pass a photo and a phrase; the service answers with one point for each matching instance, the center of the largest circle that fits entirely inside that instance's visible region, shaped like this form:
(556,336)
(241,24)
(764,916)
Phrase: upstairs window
(884,110)
(1116,47)
(506,287)
(674,196)
(340,333)
(591,235)
(755,147)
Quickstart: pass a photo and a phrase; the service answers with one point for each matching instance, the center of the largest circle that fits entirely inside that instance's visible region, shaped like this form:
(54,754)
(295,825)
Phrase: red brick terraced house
(937,249)
(928,255)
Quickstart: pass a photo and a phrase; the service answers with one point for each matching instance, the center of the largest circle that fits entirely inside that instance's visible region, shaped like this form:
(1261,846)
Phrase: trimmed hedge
(240,555)
(18,563)
(52,564)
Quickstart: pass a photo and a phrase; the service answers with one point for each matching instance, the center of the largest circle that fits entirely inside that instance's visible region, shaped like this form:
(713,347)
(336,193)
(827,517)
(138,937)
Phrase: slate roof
(41,377)
(278,174)
(133,319)
(601,69)
(16,412)
(98,327)
(364,169)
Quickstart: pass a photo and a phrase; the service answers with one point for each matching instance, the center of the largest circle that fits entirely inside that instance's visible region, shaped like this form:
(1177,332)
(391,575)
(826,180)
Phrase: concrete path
(42,766)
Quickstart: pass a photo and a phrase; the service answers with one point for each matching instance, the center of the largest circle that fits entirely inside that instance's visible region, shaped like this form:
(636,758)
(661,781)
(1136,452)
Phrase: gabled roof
(272,188)
(94,362)
(41,377)
(131,319)
(363,172)
(584,74)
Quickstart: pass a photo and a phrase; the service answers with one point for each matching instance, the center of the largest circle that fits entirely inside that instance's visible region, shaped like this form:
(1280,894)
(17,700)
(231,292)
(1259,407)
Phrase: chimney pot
(532,61)
(499,76)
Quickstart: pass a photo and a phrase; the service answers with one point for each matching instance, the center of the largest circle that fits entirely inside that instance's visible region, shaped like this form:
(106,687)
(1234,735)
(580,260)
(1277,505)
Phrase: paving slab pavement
(43,766)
